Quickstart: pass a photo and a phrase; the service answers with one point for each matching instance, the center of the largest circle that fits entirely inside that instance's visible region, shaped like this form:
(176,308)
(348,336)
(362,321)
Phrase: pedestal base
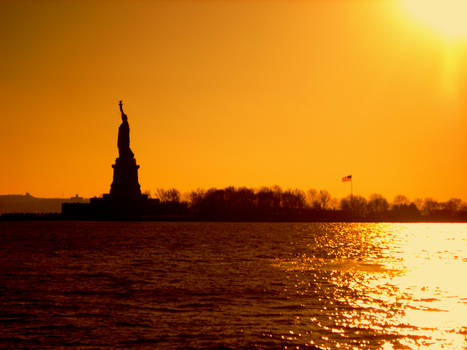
(125,180)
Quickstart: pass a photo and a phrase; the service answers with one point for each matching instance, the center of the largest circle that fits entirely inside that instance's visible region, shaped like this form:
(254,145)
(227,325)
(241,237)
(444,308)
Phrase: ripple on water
(233,285)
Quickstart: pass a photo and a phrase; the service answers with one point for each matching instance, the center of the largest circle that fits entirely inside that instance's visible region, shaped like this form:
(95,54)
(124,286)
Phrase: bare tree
(196,196)
(429,206)
(356,205)
(400,200)
(324,198)
(377,204)
(453,205)
(171,195)
(312,198)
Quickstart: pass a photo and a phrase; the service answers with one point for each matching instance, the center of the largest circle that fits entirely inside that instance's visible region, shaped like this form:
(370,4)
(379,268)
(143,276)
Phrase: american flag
(347,178)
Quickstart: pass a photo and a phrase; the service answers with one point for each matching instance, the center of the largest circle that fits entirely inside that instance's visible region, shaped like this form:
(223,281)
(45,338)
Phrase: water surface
(233,285)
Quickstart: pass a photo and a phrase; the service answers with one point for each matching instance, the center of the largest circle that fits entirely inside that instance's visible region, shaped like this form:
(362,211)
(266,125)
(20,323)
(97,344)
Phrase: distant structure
(125,199)
(125,183)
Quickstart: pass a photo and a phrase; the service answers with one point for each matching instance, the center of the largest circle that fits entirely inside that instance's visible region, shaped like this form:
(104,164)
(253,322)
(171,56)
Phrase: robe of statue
(123,141)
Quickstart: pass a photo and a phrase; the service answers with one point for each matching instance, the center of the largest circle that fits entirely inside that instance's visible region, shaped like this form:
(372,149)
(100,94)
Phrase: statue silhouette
(125,181)
(125,199)
(123,141)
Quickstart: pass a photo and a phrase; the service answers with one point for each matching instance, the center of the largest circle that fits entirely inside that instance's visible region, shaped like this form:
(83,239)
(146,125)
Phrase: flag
(347,178)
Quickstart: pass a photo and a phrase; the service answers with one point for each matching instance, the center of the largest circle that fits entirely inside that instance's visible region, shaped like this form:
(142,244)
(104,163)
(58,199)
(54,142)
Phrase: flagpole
(347,179)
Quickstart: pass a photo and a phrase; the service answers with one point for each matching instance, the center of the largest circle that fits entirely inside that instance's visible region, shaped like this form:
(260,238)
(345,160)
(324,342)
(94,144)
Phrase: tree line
(275,203)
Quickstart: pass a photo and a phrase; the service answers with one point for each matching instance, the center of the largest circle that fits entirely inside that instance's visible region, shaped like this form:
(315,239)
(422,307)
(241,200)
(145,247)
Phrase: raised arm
(121,106)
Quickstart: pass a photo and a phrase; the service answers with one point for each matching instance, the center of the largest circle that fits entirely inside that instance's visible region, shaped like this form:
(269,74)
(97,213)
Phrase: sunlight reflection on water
(233,285)
(405,281)
(433,286)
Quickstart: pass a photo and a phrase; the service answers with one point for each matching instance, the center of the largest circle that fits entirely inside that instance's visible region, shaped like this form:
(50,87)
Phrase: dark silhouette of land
(27,203)
(126,202)
(266,204)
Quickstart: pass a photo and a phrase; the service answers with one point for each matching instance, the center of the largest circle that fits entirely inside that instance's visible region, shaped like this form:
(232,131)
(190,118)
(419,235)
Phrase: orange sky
(242,93)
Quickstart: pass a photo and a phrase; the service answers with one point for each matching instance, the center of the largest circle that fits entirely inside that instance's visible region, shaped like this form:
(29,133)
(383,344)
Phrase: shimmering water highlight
(233,285)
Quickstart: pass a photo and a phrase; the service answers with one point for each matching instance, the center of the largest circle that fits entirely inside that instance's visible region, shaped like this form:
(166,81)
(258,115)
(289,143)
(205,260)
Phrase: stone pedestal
(125,183)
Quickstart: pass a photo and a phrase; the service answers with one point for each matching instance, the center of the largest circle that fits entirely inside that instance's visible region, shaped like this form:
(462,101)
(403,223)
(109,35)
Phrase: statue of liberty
(123,141)
(125,181)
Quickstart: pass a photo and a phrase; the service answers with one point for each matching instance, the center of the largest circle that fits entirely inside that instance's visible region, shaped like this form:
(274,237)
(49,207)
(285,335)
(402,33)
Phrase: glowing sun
(449,17)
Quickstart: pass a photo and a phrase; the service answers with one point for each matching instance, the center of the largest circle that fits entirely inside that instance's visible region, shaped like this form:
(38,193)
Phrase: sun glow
(446,20)
(446,16)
